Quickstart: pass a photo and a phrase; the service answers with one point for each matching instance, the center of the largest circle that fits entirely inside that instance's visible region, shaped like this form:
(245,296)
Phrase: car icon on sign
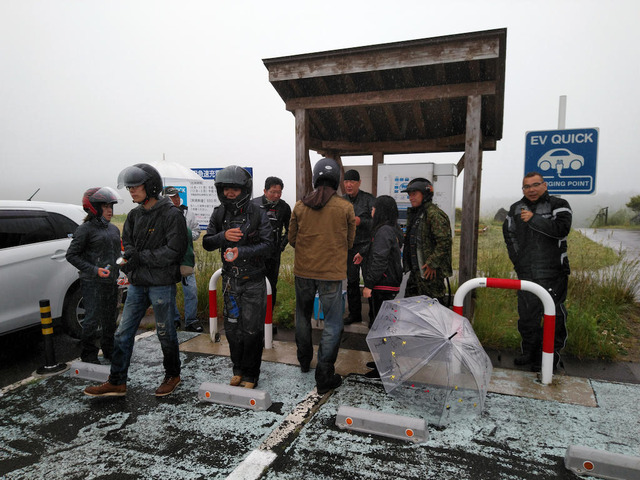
(560,159)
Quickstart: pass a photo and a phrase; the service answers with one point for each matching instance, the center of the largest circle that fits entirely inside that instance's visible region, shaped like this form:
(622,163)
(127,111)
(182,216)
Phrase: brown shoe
(167,386)
(235,380)
(107,390)
(246,384)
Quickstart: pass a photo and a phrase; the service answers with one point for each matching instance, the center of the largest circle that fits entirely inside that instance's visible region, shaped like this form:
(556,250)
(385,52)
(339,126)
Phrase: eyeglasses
(134,187)
(533,185)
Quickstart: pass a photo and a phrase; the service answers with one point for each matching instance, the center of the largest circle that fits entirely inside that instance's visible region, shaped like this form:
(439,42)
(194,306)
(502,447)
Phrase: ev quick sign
(565,158)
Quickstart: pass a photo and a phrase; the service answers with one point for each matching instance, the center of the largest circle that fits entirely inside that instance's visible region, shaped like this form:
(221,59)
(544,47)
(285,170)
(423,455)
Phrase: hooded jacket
(383,262)
(321,230)
(538,248)
(157,239)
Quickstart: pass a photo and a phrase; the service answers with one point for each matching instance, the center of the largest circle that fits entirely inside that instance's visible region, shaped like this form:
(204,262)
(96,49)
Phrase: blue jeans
(330,293)
(163,300)
(190,295)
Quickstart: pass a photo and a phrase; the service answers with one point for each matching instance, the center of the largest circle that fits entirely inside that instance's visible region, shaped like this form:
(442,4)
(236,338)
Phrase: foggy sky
(90,87)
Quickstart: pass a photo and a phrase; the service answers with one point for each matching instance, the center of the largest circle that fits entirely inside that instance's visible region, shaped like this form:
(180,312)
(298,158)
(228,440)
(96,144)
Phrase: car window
(63,226)
(22,227)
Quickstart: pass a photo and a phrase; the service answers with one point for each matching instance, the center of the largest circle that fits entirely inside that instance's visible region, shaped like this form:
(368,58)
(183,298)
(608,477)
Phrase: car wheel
(73,313)
(575,164)
(544,165)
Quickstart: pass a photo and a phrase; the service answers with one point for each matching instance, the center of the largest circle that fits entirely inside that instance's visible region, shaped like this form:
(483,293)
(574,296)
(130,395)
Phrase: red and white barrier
(549,325)
(213,311)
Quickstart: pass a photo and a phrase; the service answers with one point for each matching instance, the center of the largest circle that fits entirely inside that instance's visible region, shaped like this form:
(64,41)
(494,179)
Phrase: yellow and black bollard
(50,367)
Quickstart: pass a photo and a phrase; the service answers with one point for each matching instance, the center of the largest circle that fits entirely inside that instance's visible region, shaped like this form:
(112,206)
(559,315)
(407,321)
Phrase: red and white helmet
(95,197)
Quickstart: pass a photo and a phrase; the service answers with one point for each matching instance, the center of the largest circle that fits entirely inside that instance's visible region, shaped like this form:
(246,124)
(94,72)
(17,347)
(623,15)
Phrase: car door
(32,266)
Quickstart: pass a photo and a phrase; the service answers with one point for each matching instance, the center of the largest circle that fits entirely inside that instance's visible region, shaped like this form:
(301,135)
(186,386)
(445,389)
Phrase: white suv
(34,237)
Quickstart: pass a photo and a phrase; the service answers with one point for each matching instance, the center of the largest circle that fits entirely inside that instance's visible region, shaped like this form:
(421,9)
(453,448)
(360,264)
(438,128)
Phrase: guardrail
(213,311)
(549,326)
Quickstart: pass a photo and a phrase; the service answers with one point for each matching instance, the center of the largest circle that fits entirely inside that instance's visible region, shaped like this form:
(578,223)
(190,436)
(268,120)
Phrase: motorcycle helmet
(141,174)
(95,197)
(235,177)
(326,172)
(421,185)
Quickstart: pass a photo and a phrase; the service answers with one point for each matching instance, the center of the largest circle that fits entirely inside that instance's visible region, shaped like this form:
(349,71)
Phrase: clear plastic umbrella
(427,353)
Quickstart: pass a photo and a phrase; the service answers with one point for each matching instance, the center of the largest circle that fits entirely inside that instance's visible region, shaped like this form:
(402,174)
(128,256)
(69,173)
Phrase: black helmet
(420,185)
(170,191)
(141,174)
(326,172)
(235,177)
(95,197)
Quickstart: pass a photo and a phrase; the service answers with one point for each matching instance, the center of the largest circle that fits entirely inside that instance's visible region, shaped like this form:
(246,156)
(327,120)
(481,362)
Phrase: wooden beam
(384,97)
(303,164)
(470,197)
(382,58)
(448,144)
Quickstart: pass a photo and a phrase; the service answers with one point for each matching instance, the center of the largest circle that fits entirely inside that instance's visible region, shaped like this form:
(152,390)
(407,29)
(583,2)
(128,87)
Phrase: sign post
(565,158)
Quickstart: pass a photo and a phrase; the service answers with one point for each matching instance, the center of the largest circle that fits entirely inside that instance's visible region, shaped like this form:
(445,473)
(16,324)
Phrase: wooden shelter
(442,94)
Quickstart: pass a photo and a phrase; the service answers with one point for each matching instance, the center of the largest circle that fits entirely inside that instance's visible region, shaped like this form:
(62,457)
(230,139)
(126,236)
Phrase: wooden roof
(404,97)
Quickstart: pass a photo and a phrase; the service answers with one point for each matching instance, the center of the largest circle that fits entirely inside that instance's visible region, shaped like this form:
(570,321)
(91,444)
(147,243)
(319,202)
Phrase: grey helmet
(326,172)
(236,177)
(142,174)
(421,185)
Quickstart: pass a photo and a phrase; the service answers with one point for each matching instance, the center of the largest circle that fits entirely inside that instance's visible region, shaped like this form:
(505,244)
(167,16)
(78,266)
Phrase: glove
(133,261)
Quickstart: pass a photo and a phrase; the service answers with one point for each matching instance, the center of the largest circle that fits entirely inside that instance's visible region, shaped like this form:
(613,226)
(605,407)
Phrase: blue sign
(210,173)
(565,158)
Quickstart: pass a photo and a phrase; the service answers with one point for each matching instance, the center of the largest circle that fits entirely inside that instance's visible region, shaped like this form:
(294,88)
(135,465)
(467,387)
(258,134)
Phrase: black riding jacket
(538,248)
(252,247)
(279,216)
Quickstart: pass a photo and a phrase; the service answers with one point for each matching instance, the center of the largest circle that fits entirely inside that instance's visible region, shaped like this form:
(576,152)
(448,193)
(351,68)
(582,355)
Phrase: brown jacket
(322,236)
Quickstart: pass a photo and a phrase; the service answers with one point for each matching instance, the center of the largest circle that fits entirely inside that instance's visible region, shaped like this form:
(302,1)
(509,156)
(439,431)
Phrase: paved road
(627,241)
(623,241)
(49,429)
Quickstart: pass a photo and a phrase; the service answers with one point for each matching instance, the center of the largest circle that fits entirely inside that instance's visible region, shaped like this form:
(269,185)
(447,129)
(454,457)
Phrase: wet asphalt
(49,428)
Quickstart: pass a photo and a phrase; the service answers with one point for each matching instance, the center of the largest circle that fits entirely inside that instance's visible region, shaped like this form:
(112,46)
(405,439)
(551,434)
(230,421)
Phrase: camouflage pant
(417,285)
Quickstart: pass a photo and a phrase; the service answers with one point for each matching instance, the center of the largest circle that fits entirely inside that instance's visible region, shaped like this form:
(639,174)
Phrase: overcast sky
(90,87)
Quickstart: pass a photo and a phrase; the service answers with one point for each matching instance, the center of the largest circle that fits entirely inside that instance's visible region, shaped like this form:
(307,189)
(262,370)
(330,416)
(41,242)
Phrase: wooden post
(471,197)
(304,183)
(378,158)
(338,158)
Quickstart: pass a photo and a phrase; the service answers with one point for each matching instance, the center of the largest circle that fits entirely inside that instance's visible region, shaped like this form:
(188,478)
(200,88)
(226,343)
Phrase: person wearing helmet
(242,232)
(189,285)
(362,204)
(93,251)
(154,237)
(427,243)
(279,214)
(321,231)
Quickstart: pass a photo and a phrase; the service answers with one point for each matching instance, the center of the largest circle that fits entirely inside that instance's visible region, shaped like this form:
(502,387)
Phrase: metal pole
(213,312)
(549,322)
(562,112)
